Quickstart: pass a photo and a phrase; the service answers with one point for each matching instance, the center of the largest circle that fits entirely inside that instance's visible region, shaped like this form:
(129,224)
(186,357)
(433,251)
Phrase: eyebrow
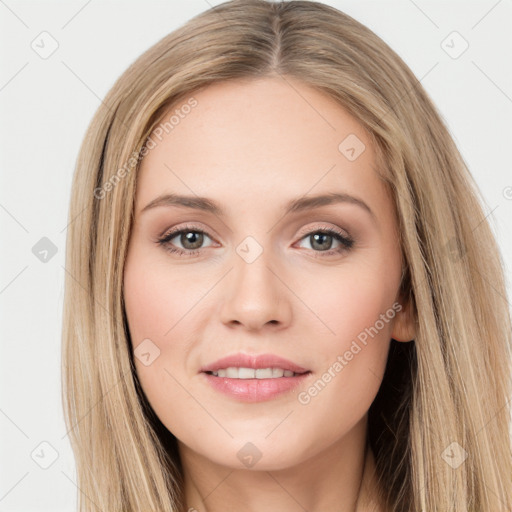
(296,205)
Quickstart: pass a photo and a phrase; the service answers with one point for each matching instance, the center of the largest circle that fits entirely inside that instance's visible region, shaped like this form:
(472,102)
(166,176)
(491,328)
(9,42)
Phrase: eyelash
(346,242)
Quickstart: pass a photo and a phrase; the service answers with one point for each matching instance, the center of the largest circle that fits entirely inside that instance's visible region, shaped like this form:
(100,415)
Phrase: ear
(404,326)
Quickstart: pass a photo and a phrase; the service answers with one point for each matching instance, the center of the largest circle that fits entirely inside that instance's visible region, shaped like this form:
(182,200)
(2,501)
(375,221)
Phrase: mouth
(254,378)
(234,372)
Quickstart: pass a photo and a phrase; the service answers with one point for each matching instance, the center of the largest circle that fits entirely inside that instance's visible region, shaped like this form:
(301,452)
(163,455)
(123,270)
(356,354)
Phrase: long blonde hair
(444,395)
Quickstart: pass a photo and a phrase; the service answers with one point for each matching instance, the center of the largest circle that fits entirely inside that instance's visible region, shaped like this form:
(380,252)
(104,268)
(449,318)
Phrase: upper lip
(253,361)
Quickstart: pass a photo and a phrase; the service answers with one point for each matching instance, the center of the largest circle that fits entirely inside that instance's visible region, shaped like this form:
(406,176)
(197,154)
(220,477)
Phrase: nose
(256,295)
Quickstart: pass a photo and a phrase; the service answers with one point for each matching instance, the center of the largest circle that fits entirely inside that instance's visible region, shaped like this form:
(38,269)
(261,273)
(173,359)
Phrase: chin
(256,455)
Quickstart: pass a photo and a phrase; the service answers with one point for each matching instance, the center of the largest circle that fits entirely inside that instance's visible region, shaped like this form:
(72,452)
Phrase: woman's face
(315,283)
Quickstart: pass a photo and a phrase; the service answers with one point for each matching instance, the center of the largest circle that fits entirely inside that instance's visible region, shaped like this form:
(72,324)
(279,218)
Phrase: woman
(255,368)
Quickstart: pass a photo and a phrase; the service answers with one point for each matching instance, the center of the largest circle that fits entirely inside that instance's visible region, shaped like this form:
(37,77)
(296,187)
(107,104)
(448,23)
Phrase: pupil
(321,237)
(189,238)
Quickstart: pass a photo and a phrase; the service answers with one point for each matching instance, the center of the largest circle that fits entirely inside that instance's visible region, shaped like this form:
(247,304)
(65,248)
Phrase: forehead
(270,139)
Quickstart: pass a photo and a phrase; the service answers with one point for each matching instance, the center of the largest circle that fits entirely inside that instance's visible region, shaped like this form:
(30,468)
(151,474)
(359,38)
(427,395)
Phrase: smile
(253,373)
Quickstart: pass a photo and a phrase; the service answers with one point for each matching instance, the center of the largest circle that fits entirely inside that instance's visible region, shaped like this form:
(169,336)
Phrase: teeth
(252,373)
(232,373)
(277,372)
(242,373)
(261,373)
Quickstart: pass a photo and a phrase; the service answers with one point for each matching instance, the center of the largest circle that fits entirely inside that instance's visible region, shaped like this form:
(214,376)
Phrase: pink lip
(257,361)
(254,390)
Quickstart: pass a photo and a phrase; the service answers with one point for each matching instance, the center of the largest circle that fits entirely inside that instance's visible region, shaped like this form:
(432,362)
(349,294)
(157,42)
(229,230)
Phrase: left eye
(323,240)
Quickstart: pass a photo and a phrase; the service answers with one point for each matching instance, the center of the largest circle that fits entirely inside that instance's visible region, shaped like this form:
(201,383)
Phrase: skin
(252,146)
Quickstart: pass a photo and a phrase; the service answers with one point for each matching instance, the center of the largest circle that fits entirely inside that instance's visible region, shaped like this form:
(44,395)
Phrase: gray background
(45,107)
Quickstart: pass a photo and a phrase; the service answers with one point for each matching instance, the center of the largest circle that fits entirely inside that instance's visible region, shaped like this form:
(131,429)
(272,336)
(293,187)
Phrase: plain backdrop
(46,103)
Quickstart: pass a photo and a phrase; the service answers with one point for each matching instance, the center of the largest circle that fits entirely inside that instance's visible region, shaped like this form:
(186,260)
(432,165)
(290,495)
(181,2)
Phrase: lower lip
(255,390)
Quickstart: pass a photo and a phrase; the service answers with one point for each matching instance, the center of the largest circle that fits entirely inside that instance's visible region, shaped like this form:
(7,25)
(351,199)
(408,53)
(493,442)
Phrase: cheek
(351,300)
(356,307)
(157,298)
(162,306)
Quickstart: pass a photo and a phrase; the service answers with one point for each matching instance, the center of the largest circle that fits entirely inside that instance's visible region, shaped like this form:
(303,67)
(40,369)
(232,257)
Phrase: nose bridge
(252,270)
(256,295)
